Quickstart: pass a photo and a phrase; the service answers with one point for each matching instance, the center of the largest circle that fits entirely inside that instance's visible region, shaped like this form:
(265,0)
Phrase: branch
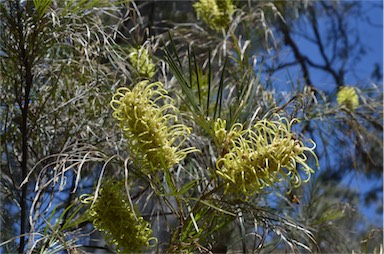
(300,58)
(327,66)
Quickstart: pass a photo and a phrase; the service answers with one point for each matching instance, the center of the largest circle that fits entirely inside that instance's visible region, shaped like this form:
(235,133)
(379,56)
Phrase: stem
(24,166)
(26,72)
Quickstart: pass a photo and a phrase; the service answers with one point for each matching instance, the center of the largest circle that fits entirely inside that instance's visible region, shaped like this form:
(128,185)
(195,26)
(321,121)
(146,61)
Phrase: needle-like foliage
(167,127)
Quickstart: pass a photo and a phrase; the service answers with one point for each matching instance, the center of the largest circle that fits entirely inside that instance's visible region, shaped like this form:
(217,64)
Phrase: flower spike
(150,129)
(141,61)
(217,14)
(261,156)
(112,214)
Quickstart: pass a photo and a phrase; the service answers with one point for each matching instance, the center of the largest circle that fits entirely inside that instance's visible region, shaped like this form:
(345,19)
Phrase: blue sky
(372,37)
(370,31)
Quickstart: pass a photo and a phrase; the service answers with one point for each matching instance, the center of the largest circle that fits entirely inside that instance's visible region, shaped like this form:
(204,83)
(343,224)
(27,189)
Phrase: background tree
(54,80)
(62,62)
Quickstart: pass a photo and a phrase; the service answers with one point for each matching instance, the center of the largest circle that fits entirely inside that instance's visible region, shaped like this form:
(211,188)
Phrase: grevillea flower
(226,139)
(112,214)
(142,62)
(217,14)
(261,156)
(347,96)
(152,130)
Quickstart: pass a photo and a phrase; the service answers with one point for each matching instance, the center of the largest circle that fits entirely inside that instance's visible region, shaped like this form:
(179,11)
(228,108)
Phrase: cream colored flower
(217,14)
(261,156)
(142,62)
(152,131)
(347,96)
(111,213)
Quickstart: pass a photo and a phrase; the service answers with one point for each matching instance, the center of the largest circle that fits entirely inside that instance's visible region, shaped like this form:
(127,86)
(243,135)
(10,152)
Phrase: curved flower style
(112,214)
(347,96)
(262,156)
(224,138)
(150,130)
(142,63)
(217,14)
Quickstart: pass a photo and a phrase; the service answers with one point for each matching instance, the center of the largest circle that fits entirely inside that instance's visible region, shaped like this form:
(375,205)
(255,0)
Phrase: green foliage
(53,84)
(182,139)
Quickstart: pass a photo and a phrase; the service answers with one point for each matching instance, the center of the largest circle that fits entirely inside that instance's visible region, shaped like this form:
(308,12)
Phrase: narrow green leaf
(197,76)
(209,80)
(169,181)
(186,187)
(213,206)
(179,74)
(219,97)
(69,223)
(41,6)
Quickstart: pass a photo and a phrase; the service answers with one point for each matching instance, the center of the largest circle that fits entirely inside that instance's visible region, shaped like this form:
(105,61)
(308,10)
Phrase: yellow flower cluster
(347,96)
(151,130)
(142,62)
(112,214)
(217,14)
(261,156)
